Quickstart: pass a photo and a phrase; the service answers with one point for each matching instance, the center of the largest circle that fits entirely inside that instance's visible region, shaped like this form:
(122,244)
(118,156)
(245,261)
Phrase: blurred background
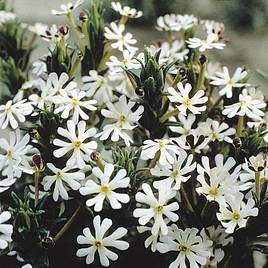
(246,25)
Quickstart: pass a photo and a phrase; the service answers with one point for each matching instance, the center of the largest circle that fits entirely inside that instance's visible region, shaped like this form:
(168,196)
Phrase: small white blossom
(6,230)
(209,43)
(189,246)
(177,173)
(194,104)
(235,212)
(66,8)
(128,62)
(106,187)
(164,147)
(12,153)
(173,22)
(186,127)
(63,179)
(223,79)
(98,86)
(38,28)
(116,33)
(247,105)
(81,150)
(6,16)
(159,207)
(100,242)
(13,112)
(217,131)
(60,82)
(39,68)
(193,141)
(73,103)
(124,119)
(126,11)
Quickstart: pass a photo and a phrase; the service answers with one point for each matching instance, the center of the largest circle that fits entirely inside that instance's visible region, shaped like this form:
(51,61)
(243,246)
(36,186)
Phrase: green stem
(240,125)
(176,80)
(106,57)
(36,188)
(76,64)
(186,199)
(67,224)
(258,184)
(167,115)
(123,20)
(73,26)
(201,77)
(85,32)
(154,160)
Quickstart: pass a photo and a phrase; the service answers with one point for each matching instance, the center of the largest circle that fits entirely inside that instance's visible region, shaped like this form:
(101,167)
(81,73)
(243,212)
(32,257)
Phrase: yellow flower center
(236,216)
(162,144)
(105,189)
(213,191)
(125,61)
(58,174)
(77,144)
(187,102)
(215,135)
(74,101)
(9,153)
(159,209)
(184,248)
(98,244)
(175,173)
(122,119)
(230,82)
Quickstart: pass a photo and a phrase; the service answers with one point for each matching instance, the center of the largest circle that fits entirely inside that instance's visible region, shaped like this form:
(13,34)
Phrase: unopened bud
(37,161)
(83,17)
(237,143)
(95,156)
(203,59)
(64,30)
(139,91)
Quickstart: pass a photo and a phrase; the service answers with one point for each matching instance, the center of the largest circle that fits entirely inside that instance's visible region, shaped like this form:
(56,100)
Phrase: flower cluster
(159,145)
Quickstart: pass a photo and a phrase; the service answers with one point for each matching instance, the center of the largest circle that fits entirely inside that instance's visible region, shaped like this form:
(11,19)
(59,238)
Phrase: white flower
(247,105)
(75,104)
(6,16)
(188,245)
(39,68)
(223,79)
(64,180)
(121,40)
(177,173)
(124,119)
(219,238)
(194,104)
(193,141)
(209,43)
(235,212)
(11,155)
(216,131)
(173,52)
(126,11)
(12,113)
(128,62)
(38,28)
(159,208)
(257,163)
(59,83)
(163,147)
(173,22)
(66,8)
(43,99)
(100,242)
(97,86)
(6,230)
(214,27)
(186,127)
(216,186)
(106,188)
(77,144)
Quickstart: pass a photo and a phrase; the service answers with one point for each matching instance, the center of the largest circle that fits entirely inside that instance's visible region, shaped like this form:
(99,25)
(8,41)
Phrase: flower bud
(203,59)
(37,161)
(83,17)
(64,30)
